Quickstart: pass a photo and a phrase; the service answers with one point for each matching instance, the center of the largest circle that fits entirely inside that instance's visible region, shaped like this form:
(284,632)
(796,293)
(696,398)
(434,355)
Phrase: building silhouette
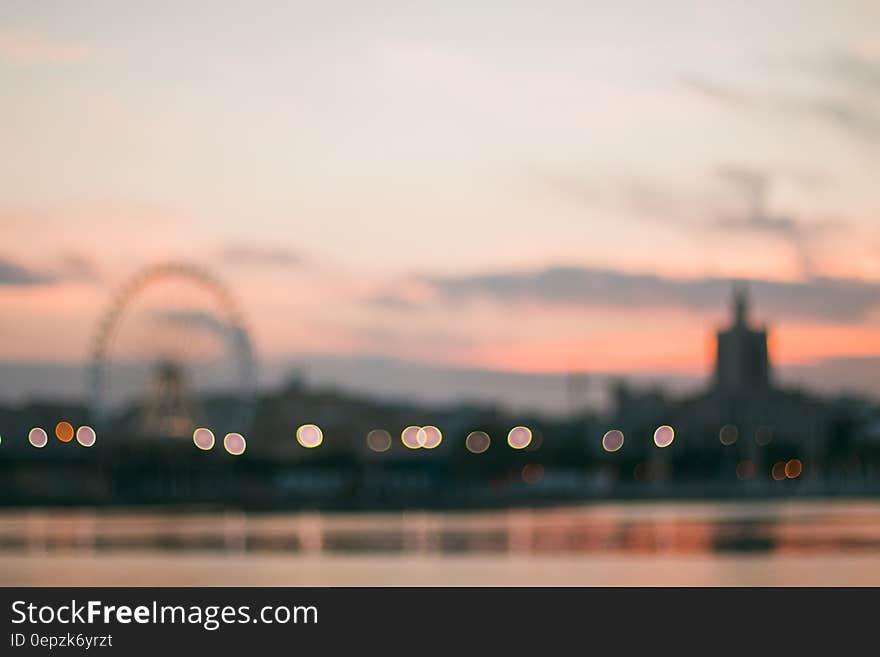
(761,420)
(742,359)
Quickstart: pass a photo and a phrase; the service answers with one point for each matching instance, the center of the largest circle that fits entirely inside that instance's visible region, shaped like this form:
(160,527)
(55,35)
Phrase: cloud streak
(261,256)
(754,185)
(823,299)
(849,113)
(65,268)
(857,70)
(691,210)
(72,266)
(15,275)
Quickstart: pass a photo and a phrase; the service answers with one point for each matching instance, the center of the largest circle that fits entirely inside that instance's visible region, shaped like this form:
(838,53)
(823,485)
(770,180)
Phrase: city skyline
(489,192)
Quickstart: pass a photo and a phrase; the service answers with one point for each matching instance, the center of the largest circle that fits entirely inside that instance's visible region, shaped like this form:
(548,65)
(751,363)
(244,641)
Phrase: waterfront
(690,544)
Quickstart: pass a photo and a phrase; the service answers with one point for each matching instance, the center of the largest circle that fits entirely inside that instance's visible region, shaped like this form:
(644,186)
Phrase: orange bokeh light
(64,432)
(778,471)
(793,469)
(745,470)
(532,473)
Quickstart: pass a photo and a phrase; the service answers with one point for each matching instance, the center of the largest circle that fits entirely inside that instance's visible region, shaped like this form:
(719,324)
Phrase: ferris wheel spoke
(168,400)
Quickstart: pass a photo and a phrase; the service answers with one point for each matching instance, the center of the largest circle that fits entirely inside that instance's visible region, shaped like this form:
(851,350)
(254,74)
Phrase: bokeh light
(410,437)
(38,437)
(612,441)
(793,469)
(429,437)
(203,438)
(477,442)
(728,435)
(763,436)
(664,436)
(778,471)
(309,435)
(519,437)
(532,473)
(64,431)
(86,436)
(234,443)
(745,470)
(379,440)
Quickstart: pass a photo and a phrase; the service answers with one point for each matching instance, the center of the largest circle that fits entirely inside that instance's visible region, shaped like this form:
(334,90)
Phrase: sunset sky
(515,186)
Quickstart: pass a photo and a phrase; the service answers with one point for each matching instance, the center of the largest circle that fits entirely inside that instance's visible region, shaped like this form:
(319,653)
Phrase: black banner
(237,621)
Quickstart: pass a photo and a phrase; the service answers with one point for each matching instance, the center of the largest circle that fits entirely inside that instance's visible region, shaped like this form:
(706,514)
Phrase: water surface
(778,543)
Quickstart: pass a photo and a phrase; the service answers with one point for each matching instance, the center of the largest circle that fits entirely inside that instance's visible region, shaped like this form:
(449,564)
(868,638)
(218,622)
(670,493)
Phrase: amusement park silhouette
(304,447)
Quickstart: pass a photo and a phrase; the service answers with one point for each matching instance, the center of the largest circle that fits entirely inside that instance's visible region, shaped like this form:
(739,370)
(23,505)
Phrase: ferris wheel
(172,353)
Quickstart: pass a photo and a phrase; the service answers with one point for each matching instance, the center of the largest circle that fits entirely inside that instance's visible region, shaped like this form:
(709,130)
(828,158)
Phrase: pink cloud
(30,49)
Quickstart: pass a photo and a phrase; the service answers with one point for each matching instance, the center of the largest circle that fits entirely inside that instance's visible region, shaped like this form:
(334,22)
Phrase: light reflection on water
(612,528)
(664,544)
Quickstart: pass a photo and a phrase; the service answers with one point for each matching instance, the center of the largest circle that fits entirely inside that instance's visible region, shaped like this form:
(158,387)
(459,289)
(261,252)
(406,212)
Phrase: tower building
(742,362)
